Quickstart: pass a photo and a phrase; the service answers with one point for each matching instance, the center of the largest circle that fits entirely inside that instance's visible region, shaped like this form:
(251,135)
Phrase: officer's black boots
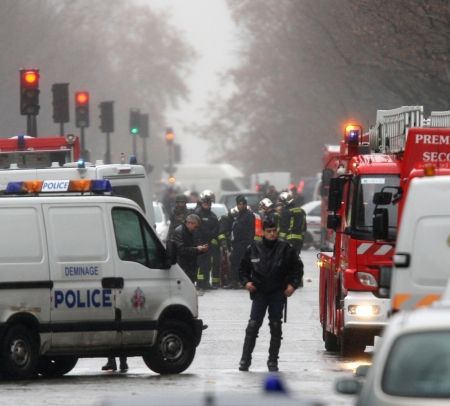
(251,333)
(123,364)
(275,343)
(110,365)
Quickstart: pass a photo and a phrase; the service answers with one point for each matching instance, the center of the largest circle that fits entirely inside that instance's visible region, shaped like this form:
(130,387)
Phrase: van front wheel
(19,352)
(56,366)
(174,349)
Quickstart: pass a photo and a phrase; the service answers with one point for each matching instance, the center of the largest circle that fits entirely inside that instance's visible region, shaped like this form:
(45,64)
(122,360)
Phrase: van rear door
(83,311)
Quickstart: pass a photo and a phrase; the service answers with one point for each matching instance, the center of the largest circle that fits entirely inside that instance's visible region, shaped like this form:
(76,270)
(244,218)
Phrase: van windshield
(131,192)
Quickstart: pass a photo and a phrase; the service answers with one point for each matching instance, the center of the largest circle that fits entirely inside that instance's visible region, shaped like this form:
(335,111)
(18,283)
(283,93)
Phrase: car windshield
(418,365)
(364,207)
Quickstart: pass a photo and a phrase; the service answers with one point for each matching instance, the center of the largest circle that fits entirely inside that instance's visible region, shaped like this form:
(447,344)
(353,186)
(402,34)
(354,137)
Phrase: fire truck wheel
(351,344)
(174,349)
(330,339)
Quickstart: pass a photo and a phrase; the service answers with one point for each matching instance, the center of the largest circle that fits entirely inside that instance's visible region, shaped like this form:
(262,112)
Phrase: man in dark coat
(186,248)
(271,271)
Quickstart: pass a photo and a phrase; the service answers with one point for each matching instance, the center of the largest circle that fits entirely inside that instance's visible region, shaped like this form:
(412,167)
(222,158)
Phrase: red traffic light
(81,98)
(170,136)
(30,77)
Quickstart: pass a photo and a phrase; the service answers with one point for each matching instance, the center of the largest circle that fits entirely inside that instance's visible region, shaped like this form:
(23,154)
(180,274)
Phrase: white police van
(82,274)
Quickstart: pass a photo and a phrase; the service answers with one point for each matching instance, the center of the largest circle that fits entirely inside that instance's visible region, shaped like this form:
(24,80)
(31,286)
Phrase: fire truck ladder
(391,128)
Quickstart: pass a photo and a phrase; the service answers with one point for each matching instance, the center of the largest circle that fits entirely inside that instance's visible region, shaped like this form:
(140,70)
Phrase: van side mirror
(382,198)
(335,194)
(380,224)
(333,221)
(171,253)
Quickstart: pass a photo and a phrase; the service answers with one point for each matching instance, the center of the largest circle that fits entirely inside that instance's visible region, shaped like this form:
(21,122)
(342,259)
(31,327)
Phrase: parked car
(229,199)
(411,365)
(161,222)
(312,236)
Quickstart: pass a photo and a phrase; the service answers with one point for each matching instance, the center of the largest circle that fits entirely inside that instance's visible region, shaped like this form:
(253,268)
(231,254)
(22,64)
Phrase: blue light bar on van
(59,186)
(101,186)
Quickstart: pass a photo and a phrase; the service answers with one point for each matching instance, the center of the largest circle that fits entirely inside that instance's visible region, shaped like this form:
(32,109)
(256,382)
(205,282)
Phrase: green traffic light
(134,130)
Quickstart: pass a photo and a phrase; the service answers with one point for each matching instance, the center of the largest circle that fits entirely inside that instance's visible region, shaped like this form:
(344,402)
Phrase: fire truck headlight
(367,279)
(364,310)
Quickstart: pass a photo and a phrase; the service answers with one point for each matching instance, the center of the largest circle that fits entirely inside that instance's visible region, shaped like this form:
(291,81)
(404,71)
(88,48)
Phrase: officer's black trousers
(273,301)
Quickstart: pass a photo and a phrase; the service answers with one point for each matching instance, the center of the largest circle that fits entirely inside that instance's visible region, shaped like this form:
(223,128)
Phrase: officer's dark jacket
(186,248)
(209,227)
(270,266)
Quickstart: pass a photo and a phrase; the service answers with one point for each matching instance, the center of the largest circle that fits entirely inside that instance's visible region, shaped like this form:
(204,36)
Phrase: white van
(86,276)
(217,177)
(422,257)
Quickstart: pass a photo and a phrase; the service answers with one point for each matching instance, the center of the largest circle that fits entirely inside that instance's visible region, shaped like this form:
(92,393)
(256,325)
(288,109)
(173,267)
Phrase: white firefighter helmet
(286,197)
(265,204)
(208,194)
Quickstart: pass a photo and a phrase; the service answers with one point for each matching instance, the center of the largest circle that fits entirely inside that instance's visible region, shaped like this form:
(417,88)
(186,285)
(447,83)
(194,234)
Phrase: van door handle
(112,283)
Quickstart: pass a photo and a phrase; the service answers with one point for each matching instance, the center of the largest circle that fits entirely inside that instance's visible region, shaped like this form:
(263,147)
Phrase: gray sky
(208,27)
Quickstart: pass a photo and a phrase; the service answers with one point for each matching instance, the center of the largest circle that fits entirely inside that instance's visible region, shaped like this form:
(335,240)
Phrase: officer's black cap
(241,199)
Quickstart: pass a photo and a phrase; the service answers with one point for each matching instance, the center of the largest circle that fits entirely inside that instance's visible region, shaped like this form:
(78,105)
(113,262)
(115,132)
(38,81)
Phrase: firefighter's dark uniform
(208,234)
(293,226)
(186,250)
(271,266)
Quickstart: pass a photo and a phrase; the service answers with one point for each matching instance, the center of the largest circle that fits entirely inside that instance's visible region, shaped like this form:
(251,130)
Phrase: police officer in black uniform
(271,271)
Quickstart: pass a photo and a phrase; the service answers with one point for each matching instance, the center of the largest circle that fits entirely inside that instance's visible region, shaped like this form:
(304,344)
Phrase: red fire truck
(367,185)
(29,152)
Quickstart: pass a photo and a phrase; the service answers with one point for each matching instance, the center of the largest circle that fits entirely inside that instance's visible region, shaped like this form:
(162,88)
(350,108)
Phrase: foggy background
(291,73)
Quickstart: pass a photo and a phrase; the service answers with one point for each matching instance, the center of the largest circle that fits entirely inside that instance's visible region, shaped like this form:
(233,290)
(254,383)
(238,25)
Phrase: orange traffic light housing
(29,92)
(82,109)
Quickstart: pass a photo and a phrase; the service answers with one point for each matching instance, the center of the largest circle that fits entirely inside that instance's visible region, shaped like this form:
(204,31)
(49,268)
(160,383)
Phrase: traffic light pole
(134,145)
(108,149)
(31,126)
(84,153)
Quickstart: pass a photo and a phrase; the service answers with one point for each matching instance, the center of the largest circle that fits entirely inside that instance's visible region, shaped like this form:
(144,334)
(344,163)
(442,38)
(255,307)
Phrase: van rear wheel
(174,349)
(19,352)
(56,366)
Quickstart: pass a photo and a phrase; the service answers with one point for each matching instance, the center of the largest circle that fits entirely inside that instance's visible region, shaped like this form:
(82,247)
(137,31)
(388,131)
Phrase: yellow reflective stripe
(296,210)
(283,235)
(222,237)
(257,238)
(295,237)
(214,241)
(216,280)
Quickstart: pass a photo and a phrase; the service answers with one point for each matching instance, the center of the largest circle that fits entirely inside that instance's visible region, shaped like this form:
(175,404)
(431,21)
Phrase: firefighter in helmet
(292,222)
(208,234)
(179,213)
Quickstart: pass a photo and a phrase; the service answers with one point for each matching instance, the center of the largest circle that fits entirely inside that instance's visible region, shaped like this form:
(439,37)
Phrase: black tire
(56,366)
(351,344)
(330,339)
(19,353)
(174,349)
